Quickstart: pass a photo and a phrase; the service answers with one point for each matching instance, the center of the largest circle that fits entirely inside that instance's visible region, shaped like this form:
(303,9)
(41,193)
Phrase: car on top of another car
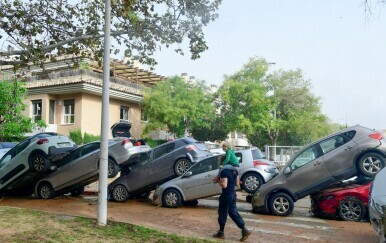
(145,171)
(31,158)
(353,151)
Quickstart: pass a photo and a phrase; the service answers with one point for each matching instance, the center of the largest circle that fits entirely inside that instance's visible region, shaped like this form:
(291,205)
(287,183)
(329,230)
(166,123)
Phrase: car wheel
(351,209)
(370,164)
(45,191)
(171,198)
(181,166)
(39,162)
(191,203)
(281,204)
(77,191)
(120,193)
(112,168)
(251,182)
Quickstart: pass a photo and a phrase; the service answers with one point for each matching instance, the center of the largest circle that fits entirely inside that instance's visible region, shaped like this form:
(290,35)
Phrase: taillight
(42,140)
(377,136)
(126,141)
(191,147)
(258,162)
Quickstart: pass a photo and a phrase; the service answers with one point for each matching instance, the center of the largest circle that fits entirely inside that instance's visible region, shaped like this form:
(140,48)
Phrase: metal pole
(102,189)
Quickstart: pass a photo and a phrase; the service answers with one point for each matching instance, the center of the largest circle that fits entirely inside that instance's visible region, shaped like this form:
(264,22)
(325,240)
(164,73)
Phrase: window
(124,114)
(36,110)
(51,117)
(143,116)
(305,157)
(163,150)
(332,143)
(69,111)
(205,166)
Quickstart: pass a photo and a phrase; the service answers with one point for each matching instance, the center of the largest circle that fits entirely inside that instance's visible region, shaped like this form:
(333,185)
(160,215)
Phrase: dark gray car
(377,205)
(352,151)
(145,171)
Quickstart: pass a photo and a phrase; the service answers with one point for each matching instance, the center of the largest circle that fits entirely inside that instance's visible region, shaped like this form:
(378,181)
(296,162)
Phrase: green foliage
(177,106)
(76,136)
(13,124)
(216,131)
(154,142)
(87,138)
(75,28)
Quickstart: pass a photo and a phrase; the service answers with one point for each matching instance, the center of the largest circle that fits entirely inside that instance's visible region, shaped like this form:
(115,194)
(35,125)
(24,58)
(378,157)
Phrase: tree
(37,28)
(214,130)
(177,106)
(13,124)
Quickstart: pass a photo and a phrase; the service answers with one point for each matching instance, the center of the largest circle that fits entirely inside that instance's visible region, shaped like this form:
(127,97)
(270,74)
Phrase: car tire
(171,198)
(39,162)
(191,203)
(112,168)
(370,164)
(181,166)
(77,191)
(45,191)
(251,182)
(351,209)
(281,204)
(120,193)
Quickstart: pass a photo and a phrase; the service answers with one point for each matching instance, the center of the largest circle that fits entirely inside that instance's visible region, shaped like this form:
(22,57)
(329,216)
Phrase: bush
(154,142)
(76,136)
(87,138)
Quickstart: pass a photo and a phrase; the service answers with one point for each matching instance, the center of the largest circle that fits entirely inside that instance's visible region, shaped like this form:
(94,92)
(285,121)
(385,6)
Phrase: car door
(162,162)
(141,174)
(339,154)
(13,164)
(200,184)
(76,165)
(307,172)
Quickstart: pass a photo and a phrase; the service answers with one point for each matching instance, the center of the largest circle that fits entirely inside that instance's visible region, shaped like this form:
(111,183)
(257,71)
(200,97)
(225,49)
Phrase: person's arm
(227,157)
(223,182)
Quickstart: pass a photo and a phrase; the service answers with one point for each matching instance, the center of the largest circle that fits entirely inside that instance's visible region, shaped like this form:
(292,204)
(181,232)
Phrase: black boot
(219,235)
(245,233)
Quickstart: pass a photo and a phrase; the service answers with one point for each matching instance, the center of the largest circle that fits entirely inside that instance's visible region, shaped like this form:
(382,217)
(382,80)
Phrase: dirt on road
(201,221)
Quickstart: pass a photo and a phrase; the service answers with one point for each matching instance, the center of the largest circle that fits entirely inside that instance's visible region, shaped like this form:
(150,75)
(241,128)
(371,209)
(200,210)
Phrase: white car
(31,158)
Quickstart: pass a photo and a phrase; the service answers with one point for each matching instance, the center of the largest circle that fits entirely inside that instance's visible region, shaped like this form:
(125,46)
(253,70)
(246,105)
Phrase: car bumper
(157,197)
(129,151)
(377,221)
(258,203)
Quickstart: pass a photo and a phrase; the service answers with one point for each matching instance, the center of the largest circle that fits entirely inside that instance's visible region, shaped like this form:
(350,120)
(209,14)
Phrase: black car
(144,171)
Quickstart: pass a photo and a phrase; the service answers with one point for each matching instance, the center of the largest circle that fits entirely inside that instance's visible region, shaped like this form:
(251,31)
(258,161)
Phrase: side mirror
(287,170)
(188,174)
(53,168)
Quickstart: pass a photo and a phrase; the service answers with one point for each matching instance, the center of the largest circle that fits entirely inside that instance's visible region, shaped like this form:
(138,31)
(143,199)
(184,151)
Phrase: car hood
(121,129)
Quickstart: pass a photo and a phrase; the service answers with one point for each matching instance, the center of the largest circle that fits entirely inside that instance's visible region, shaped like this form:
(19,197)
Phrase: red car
(347,201)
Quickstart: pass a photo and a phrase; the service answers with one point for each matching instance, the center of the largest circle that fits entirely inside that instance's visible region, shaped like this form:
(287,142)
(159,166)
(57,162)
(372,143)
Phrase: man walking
(227,204)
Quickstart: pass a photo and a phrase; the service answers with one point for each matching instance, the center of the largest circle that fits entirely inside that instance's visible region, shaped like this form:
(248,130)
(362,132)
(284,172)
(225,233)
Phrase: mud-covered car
(27,161)
(377,205)
(346,200)
(342,155)
(144,171)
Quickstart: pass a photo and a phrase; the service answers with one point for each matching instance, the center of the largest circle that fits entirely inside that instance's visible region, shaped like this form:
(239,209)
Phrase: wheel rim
(351,210)
(281,205)
(45,192)
(182,166)
(171,199)
(38,163)
(372,165)
(120,193)
(251,183)
(111,168)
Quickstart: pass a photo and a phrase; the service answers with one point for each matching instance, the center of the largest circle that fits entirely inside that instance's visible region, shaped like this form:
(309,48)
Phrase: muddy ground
(201,221)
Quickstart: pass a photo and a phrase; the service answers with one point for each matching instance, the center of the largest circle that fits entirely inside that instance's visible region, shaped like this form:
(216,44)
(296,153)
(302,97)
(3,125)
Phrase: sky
(339,48)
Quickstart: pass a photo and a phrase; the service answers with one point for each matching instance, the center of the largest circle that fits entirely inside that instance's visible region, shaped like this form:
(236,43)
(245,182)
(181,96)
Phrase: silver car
(377,205)
(352,151)
(197,182)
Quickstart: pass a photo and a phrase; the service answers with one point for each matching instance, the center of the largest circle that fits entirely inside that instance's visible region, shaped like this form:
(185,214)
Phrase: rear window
(257,154)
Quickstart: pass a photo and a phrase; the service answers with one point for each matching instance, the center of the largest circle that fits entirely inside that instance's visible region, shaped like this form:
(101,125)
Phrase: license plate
(64,145)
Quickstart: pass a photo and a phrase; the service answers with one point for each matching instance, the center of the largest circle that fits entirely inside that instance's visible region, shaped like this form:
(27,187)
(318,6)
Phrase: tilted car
(81,167)
(5,147)
(346,200)
(377,205)
(145,171)
(352,151)
(197,182)
(29,159)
